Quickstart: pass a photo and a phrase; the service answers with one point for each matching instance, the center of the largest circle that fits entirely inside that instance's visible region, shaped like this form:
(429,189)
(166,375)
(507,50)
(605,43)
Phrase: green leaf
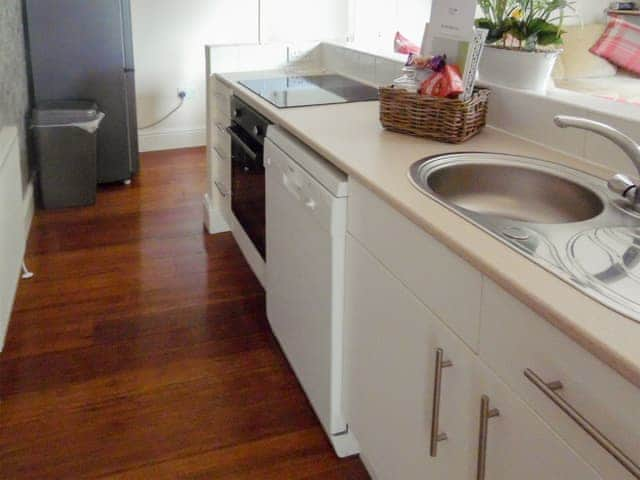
(495,33)
(540,23)
(485,23)
(549,38)
(546,33)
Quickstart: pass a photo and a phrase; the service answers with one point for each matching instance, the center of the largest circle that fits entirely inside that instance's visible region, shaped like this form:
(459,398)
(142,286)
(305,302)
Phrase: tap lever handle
(622,185)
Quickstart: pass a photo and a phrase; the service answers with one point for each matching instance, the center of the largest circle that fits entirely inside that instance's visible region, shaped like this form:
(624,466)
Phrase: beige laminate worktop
(350,136)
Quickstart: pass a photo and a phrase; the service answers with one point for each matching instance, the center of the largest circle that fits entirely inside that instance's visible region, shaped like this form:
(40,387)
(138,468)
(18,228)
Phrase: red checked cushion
(620,44)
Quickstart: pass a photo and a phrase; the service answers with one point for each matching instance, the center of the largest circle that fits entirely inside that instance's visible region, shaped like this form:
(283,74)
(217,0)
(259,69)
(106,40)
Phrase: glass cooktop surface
(307,90)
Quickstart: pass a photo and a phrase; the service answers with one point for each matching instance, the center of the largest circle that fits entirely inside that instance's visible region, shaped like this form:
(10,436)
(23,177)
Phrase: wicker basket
(441,119)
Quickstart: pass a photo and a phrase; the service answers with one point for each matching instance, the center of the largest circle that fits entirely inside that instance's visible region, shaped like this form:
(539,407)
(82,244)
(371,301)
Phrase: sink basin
(562,219)
(515,188)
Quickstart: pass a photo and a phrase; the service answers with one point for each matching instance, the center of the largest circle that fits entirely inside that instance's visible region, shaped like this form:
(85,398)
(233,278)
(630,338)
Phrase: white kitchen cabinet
(391,340)
(388,371)
(220,99)
(221,188)
(220,139)
(515,338)
(12,239)
(438,277)
(218,199)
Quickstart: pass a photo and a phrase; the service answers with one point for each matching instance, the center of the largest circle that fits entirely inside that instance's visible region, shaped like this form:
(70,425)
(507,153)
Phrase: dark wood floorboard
(141,349)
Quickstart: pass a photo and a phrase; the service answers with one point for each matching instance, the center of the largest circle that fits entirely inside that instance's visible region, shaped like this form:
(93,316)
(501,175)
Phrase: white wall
(591,11)
(169,38)
(304,20)
(376,21)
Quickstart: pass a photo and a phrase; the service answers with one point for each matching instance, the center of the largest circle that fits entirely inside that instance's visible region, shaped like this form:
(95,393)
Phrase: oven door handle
(240,142)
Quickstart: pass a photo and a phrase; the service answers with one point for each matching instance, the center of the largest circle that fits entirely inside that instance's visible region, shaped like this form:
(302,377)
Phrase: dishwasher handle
(296,189)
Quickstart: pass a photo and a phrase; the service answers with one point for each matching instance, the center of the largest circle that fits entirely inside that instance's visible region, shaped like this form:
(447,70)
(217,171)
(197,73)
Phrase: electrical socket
(186,92)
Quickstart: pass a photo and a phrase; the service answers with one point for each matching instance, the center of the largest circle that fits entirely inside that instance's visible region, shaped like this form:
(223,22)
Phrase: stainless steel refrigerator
(83,49)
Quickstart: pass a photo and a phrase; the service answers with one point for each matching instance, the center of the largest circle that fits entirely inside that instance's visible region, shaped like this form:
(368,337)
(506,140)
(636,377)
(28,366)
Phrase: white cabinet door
(391,341)
(391,345)
(388,370)
(12,241)
(438,277)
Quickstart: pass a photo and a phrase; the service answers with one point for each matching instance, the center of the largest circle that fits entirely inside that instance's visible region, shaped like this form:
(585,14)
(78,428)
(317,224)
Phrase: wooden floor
(141,349)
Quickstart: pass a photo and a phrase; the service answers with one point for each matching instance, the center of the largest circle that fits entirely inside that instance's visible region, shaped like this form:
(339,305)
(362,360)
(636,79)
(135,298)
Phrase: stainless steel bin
(65,141)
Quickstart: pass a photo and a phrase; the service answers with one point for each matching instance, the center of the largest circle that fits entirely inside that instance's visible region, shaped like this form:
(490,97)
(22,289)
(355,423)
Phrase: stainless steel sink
(564,220)
(516,188)
(510,190)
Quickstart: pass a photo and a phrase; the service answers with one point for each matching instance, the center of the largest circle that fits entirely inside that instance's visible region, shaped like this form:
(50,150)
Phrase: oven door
(247,186)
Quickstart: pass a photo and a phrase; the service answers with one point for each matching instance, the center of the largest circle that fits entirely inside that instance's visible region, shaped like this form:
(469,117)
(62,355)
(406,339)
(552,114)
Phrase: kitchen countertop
(350,136)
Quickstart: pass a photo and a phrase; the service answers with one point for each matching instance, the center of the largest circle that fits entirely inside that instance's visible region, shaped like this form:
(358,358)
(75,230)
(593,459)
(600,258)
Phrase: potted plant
(524,41)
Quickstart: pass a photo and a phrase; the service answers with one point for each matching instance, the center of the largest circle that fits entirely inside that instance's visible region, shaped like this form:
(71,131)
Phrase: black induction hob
(307,90)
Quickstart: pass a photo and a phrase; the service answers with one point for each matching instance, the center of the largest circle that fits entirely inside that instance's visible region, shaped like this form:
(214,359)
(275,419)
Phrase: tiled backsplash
(372,68)
(531,116)
(527,115)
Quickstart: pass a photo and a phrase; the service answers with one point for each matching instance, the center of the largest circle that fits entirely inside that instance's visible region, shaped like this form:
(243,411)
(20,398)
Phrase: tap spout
(626,143)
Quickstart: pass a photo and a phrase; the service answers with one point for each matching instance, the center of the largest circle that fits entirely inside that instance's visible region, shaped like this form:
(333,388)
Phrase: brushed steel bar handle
(247,149)
(221,189)
(550,389)
(436,435)
(218,152)
(485,414)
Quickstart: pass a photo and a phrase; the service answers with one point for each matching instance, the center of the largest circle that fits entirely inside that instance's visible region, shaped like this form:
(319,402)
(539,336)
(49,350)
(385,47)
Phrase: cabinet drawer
(519,445)
(221,99)
(514,338)
(220,120)
(221,187)
(449,286)
(221,141)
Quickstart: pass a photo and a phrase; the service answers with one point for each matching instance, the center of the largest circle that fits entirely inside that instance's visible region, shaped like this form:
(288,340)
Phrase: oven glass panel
(248,187)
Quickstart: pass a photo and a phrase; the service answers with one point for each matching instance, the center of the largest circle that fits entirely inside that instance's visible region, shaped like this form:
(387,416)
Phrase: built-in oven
(248,130)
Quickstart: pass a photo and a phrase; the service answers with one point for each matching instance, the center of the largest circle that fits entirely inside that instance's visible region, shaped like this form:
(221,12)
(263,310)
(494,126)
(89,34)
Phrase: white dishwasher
(306,221)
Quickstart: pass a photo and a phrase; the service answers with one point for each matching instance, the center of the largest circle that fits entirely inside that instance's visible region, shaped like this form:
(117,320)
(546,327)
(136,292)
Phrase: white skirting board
(171,139)
(16,211)
(214,220)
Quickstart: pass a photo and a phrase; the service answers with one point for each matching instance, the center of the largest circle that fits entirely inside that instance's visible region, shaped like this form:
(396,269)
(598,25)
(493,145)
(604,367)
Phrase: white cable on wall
(182,96)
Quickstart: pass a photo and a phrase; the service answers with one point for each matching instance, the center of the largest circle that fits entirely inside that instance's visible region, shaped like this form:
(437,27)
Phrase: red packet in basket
(447,83)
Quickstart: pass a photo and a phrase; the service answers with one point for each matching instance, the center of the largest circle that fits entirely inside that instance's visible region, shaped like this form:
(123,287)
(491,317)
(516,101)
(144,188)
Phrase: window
(582,72)
(375,22)
(303,20)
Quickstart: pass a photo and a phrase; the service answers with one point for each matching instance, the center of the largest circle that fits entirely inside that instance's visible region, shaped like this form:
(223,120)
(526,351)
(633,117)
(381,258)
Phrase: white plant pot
(517,68)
